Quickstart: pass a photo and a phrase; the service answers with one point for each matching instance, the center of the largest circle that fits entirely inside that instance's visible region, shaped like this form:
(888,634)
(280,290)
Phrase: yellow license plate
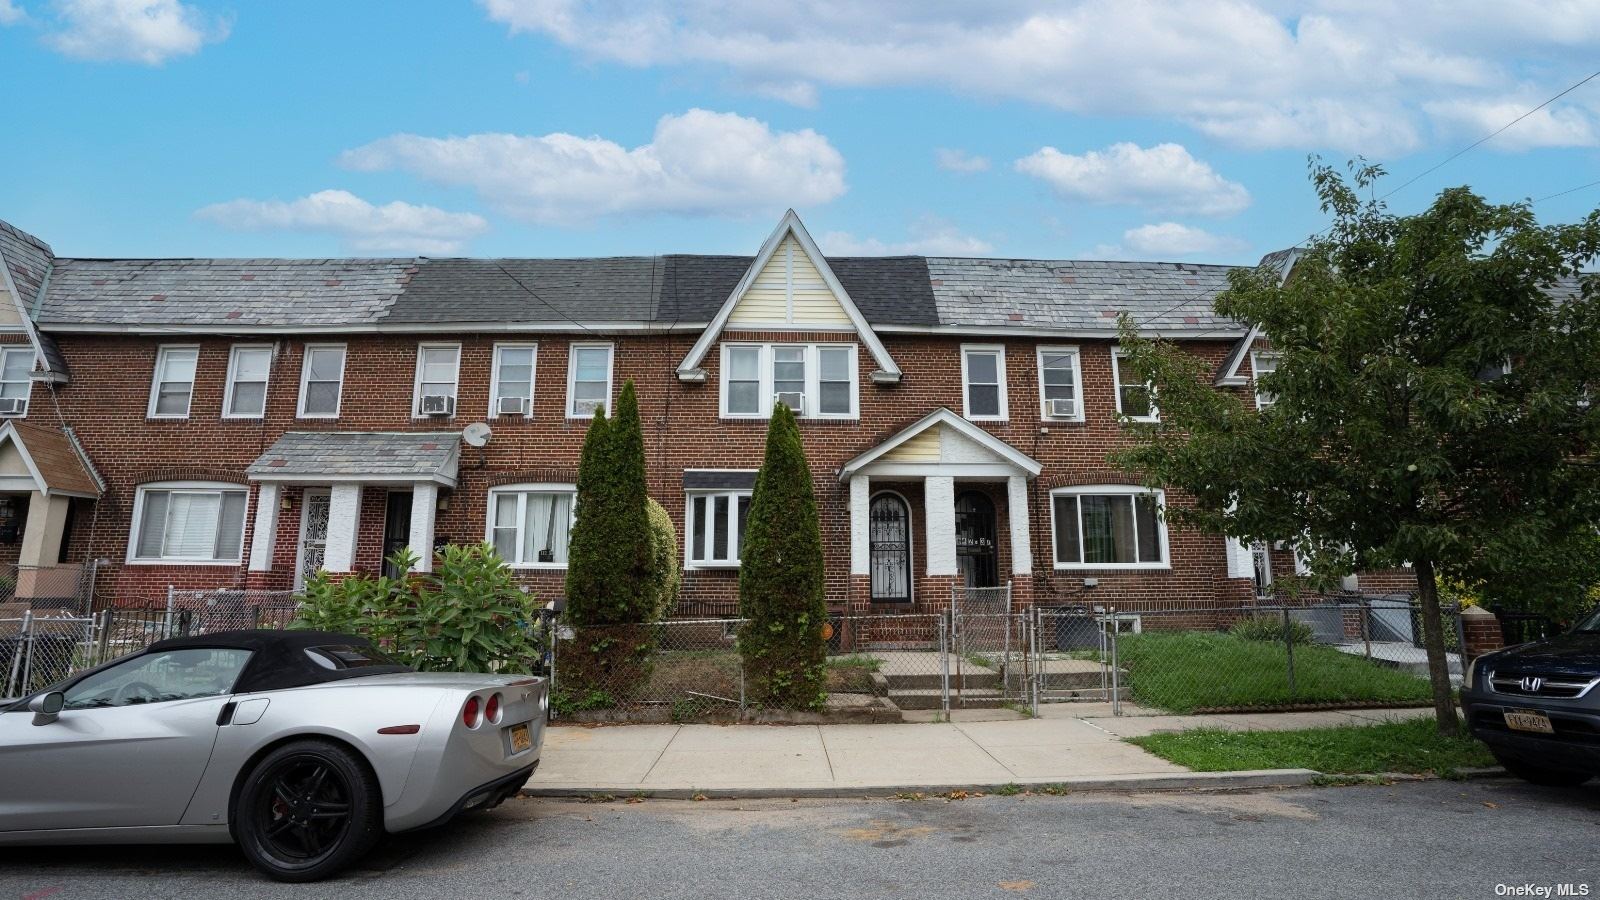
(521,738)
(1528,720)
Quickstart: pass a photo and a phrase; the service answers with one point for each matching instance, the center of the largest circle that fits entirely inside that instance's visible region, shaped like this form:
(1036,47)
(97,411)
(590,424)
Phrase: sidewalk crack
(826,756)
(677,730)
(985,750)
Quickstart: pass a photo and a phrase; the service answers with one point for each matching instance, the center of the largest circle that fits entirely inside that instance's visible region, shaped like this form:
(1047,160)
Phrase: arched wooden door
(890,547)
(977,551)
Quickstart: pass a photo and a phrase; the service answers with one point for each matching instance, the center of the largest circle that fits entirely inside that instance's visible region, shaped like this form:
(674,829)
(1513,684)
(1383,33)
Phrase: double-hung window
(248,368)
(816,381)
(529,524)
(511,390)
(321,381)
(716,521)
(588,379)
(1109,527)
(1135,399)
(173,385)
(983,381)
(1262,363)
(1059,377)
(438,367)
(188,522)
(16,373)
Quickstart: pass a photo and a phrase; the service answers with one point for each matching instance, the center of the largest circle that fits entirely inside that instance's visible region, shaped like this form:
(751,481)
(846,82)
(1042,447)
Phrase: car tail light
(470,712)
(491,710)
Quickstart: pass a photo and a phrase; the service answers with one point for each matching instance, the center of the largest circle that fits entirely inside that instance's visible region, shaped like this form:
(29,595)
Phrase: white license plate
(1528,720)
(521,739)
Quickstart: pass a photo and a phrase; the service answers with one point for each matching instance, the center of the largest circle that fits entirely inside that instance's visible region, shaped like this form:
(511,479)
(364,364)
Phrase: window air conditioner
(792,399)
(513,406)
(1063,409)
(584,407)
(438,405)
(13,406)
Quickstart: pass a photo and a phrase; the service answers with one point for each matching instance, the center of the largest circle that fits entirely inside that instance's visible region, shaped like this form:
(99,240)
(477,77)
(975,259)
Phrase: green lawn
(1189,671)
(1413,746)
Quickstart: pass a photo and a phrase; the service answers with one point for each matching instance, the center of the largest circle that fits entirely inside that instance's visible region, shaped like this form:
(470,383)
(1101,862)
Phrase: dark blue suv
(1537,706)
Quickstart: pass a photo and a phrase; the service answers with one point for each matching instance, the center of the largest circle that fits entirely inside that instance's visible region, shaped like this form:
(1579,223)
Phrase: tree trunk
(1444,705)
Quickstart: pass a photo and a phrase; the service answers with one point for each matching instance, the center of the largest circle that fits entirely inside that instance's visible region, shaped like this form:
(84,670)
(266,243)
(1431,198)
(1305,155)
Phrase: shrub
(781,577)
(1270,628)
(609,552)
(666,577)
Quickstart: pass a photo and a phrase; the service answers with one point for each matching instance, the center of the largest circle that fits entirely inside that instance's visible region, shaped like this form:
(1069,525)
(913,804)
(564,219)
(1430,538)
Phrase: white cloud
(699,163)
(1164,178)
(10,13)
(1166,239)
(1549,127)
(1310,74)
(927,237)
(393,228)
(795,93)
(142,31)
(960,161)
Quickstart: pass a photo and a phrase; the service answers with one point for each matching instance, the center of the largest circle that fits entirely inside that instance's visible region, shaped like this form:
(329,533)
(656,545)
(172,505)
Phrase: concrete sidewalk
(1075,750)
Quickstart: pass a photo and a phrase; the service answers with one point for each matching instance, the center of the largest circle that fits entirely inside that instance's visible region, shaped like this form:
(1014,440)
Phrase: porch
(46,482)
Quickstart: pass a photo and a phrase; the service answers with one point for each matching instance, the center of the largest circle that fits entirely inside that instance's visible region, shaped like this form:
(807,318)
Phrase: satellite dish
(477,434)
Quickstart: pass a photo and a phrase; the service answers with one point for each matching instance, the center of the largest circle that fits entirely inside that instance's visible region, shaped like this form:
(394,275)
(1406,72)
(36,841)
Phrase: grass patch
(1186,671)
(1413,746)
(851,674)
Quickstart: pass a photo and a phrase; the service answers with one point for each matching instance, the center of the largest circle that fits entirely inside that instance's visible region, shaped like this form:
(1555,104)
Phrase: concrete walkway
(1070,743)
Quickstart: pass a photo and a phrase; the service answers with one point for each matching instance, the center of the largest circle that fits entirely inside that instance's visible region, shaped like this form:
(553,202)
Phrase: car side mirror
(47,707)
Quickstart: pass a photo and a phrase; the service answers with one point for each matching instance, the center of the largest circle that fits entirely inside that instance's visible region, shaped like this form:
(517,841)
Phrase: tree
(666,576)
(1398,434)
(781,581)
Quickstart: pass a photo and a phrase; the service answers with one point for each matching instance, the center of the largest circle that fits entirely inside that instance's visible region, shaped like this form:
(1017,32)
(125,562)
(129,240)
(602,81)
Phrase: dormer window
(817,381)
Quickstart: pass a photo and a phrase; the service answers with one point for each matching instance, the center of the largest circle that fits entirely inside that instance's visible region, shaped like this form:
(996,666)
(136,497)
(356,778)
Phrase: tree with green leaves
(1431,403)
(781,585)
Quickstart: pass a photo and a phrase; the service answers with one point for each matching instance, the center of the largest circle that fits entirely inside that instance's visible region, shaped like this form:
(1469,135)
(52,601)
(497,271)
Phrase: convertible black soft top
(280,658)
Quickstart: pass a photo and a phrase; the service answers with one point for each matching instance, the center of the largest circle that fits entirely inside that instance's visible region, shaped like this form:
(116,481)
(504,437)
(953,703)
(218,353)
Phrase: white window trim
(27,399)
(690,564)
(494,375)
(416,378)
(1117,353)
(233,375)
(523,489)
(305,373)
(999,350)
(155,381)
(766,392)
(1077,378)
(1255,373)
(572,376)
(1113,489)
(133,557)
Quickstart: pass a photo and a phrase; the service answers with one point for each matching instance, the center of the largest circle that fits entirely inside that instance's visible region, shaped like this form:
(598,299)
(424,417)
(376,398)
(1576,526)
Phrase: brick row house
(244,422)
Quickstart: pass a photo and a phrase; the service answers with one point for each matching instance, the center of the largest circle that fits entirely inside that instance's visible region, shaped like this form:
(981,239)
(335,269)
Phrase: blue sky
(1107,128)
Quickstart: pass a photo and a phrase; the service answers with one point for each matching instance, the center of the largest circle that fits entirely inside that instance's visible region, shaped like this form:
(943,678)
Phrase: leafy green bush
(609,553)
(666,576)
(1270,628)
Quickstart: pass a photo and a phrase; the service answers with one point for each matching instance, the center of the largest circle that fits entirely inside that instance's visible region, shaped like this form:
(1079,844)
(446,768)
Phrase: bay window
(816,381)
(716,522)
(1111,527)
(194,523)
(529,525)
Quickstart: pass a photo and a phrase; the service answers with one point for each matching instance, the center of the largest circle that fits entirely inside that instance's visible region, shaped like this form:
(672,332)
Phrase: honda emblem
(1531,684)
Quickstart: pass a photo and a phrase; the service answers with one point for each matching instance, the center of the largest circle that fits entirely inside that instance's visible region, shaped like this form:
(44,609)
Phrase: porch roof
(52,459)
(969,448)
(360,456)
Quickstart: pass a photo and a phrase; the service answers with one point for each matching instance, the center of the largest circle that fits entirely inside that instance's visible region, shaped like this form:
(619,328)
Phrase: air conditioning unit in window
(13,406)
(792,399)
(438,405)
(1062,409)
(585,407)
(514,406)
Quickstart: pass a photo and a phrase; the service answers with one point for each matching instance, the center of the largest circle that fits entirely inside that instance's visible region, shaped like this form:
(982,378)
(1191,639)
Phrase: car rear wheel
(1543,775)
(307,810)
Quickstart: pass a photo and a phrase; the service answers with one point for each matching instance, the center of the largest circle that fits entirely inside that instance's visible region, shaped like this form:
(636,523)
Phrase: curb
(1189,781)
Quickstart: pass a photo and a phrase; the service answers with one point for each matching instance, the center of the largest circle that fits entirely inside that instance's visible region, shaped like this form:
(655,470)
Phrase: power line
(1567,191)
(553,308)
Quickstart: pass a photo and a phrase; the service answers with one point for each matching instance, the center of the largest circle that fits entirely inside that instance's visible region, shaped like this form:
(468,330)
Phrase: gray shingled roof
(366,455)
(28,258)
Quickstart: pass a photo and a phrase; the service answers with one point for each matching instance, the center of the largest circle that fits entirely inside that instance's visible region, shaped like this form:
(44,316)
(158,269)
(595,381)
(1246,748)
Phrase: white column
(264,533)
(1021,540)
(860,526)
(939,498)
(424,501)
(344,523)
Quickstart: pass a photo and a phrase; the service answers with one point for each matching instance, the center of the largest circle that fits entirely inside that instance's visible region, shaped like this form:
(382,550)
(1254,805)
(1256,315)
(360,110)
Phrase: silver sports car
(304,747)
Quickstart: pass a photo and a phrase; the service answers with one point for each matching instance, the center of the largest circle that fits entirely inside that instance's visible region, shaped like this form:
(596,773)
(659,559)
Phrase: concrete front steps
(914,680)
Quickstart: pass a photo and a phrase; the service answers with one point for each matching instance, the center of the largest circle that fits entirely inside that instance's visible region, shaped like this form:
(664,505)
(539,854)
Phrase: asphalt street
(1417,839)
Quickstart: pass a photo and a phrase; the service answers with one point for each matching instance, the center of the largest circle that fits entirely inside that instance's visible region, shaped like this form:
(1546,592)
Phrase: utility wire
(1567,191)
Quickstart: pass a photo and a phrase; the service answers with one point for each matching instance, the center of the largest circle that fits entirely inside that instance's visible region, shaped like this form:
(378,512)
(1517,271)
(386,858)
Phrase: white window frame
(305,373)
(690,561)
(1263,401)
(766,391)
(999,352)
(1117,353)
(521,491)
(1111,490)
(416,381)
(26,382)
(494,375)
(193,487)
(1077,379)
(233,378)
(155,381)
(572,376)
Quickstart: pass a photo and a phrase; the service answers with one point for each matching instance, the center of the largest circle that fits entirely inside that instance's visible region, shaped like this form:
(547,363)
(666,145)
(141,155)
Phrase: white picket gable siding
(789,291)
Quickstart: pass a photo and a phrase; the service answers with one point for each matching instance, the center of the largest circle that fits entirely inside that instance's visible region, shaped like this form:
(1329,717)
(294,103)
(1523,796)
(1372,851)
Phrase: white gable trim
(946,418)
(40,361)
(8,432)
(1228,375)
(689,369)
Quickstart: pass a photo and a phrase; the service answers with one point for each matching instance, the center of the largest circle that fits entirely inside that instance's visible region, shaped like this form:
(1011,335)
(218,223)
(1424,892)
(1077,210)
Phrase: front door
(890,549)
(396,529)
(313,536)
(977,557)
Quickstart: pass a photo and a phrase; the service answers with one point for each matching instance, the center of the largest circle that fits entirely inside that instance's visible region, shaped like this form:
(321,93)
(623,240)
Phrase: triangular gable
(942,438)
(789,285)
(1228,374)
(66,471)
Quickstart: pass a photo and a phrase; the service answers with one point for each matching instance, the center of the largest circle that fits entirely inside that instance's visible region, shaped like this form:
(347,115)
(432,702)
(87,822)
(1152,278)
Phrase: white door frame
(300,541)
